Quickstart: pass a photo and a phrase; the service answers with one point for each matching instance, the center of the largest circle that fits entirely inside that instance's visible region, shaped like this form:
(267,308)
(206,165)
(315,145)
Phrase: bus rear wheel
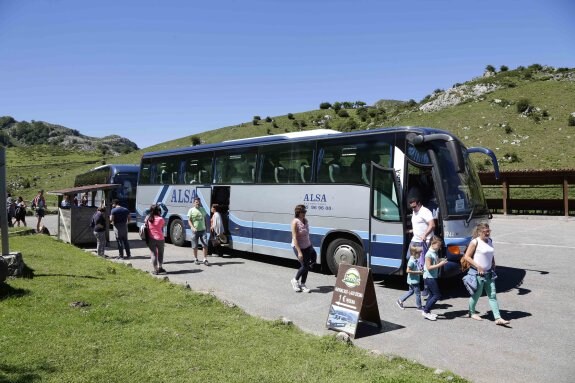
(177,232)
(343,250)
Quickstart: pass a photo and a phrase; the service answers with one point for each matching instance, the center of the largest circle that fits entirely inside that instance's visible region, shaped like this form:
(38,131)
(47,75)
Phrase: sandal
(501,322)
(475,316)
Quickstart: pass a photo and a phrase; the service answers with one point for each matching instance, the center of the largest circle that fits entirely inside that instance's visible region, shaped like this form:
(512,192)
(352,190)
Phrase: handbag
(145,231)
(222,238)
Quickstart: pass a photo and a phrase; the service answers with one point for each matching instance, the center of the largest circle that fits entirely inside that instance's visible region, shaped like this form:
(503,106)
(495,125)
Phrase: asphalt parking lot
(535,291)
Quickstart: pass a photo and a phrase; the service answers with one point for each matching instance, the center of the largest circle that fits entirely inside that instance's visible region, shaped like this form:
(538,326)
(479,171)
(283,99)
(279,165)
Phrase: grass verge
(135,328)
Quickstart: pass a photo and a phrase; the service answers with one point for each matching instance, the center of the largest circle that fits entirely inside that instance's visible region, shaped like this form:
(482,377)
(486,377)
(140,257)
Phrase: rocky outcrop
(457,95)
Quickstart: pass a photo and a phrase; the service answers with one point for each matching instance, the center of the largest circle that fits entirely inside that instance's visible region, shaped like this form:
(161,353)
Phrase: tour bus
(125,175)
(354,186)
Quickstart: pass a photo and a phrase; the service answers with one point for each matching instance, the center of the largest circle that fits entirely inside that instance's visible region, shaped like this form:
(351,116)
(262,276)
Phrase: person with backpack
(39,204)
(98,225)
(480,256)
(20,212)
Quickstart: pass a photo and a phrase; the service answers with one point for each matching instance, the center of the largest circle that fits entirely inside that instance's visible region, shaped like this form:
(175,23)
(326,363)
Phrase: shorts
(40,213)
(200,235)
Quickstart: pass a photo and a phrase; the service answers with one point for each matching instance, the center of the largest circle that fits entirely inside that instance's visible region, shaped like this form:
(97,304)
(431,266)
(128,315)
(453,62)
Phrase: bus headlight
(456,250)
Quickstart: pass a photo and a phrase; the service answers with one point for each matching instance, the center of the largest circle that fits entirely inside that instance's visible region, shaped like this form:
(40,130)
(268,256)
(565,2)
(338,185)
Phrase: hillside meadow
(542,139)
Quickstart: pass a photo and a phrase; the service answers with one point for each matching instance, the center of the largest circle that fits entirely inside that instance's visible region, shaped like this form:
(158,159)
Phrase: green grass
(141,329)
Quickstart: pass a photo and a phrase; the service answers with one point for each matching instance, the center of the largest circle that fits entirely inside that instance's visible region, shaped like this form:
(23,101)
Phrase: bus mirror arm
(491,155)
(452,145)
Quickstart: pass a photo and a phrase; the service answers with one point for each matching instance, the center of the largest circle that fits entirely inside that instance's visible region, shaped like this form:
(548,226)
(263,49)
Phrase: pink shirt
(156,228)
(302,234)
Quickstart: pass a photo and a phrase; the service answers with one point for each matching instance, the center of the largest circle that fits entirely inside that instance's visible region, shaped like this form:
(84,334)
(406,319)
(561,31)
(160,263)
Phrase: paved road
(535,291)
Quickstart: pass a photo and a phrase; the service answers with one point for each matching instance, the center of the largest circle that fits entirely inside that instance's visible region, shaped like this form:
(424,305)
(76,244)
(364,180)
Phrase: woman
(480,255)
(20,211)
(98,226)
(216,228)
(155,224)
(302,248)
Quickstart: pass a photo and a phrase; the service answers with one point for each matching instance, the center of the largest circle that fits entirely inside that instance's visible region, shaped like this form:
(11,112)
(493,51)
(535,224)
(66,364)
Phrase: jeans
(434,293)
(486,282)
(100,242)
(413,289)
(309,258)
(156,247)
(122,240)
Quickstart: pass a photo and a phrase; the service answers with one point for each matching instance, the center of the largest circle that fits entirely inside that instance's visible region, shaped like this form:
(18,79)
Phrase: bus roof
(289,137)
(118,167)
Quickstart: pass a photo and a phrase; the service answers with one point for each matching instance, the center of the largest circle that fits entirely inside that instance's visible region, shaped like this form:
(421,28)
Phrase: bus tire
(343,250)
(177,232)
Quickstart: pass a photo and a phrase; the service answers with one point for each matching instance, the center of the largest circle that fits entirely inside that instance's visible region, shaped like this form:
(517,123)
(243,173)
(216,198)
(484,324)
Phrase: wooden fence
(531,178)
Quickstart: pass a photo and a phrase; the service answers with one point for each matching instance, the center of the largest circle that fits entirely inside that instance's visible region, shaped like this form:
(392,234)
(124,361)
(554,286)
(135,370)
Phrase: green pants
(485,282)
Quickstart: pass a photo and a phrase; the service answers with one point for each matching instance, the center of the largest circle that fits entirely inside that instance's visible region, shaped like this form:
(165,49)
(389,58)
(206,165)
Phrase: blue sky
(153,71)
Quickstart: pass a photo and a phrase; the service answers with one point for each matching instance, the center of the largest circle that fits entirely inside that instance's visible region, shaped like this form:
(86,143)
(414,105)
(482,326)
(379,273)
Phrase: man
(423,225)
(39,203)
(197,219)
(120,217)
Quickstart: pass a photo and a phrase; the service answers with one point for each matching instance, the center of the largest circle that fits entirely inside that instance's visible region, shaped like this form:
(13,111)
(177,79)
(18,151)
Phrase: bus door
(221,196)
(386,222)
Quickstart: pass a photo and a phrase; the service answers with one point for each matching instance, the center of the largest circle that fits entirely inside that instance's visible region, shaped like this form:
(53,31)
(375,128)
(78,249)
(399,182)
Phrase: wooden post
(566,196)
(505,191)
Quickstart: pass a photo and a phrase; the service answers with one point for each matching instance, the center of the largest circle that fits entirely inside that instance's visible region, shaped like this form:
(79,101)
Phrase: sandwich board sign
(353,300)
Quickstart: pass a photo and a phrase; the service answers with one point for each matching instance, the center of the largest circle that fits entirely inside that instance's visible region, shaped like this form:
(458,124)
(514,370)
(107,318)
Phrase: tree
(268,119)
(257,118)
(290,116)
(348,104)
(325,105)
(503,68)
(490,68)
(360,104)
(337,106)
(195,140)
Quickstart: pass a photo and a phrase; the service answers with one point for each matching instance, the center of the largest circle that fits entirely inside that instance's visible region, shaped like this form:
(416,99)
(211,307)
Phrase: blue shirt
(412,279)
(120,215)
(431,254)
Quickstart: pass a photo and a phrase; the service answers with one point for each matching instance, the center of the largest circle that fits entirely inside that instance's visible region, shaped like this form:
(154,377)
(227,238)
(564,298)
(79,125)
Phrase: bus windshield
(462,191)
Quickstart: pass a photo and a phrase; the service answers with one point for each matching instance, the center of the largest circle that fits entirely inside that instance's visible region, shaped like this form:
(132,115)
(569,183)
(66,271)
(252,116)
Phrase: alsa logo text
(183,195)
(314,198)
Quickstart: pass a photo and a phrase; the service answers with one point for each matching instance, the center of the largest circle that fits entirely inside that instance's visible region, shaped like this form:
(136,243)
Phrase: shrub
(290,116)
(503,68)
(343,113)
(522,105)
(325,105)
(508,129)
(337,106)
(275,125)
(511,157)
(268,119)
(411,103)
(490,68)
(571,120)
(255,121)
(195,140)
(536,67)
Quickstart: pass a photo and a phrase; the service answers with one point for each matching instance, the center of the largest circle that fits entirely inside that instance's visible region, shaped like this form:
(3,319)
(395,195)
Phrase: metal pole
(3,212)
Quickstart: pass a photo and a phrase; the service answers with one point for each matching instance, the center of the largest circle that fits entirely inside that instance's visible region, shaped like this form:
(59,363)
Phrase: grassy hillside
(539,138)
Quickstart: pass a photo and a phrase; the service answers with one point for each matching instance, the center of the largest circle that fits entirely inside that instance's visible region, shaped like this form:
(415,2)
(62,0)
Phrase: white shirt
(420,222)
(484,253)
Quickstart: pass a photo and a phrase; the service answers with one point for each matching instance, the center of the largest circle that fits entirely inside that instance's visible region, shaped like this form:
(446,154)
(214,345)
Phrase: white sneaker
(304,289)
(428,316)
(295,285)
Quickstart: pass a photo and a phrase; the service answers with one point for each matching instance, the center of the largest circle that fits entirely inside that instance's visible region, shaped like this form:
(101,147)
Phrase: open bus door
(386,222)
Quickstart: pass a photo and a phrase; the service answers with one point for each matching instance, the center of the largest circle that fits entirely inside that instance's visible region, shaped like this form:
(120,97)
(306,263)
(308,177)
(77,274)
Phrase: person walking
(197,220)
(39,204)
(156,243)
(98,225)
(120,217)
(216,229)
(413,278)
(480,254)
(422,227)
(10,209)
(430,274)
(20,211)
(302,248)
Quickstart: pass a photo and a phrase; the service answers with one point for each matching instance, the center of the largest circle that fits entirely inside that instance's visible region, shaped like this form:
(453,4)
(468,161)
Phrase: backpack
(144,231)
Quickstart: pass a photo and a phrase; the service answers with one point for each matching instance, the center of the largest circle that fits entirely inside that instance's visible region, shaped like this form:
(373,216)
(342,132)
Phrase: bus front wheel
(343,250)
(177,232)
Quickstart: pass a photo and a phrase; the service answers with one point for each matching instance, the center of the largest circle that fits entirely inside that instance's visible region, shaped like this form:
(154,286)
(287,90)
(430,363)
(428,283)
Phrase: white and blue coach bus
(123,174)
(354,186)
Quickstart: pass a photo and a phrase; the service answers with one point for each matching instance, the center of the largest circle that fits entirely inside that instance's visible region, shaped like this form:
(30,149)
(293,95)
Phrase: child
(430,272)
(413,274)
